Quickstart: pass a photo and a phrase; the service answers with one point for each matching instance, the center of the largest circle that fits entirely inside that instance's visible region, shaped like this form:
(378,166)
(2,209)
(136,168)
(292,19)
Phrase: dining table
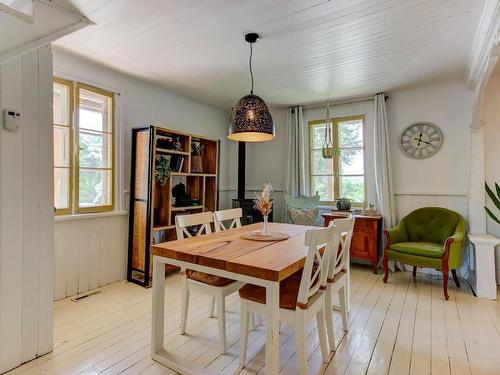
(227,254)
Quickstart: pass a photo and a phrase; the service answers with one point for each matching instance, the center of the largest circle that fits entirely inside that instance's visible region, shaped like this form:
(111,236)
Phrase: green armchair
(428,237)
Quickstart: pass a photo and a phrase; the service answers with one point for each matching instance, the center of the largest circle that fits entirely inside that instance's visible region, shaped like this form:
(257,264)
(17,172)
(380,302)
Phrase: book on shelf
(176,163)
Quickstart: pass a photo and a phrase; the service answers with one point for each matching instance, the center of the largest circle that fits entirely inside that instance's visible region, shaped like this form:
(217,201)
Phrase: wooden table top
(228,251)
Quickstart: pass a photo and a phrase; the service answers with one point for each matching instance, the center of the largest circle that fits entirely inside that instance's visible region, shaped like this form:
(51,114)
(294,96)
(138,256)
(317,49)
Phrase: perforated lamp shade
(251,121)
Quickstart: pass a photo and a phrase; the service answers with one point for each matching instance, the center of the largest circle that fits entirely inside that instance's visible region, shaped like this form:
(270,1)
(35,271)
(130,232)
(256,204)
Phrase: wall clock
(420,140)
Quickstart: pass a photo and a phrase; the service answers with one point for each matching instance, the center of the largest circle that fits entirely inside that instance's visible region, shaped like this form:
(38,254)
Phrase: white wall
(442,179)
(490,116)
(138,104)
(264,163)
(26,210)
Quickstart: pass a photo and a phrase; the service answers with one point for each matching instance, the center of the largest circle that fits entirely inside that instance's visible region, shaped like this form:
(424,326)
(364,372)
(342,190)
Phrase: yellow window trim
(336,161)
(74,165)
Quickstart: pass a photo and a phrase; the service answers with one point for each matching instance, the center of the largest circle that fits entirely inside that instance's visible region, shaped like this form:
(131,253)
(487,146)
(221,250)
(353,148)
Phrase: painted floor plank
(403,327)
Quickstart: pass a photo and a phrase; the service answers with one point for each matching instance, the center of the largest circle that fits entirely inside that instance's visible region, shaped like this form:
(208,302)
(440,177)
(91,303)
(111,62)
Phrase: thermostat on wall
(11,120)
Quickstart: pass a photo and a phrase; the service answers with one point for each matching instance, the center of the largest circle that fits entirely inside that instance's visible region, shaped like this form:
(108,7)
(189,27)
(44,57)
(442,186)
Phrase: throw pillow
(306,216)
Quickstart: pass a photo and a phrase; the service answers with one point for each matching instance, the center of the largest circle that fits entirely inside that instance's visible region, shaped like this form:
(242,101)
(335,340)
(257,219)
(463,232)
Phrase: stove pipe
(241,170)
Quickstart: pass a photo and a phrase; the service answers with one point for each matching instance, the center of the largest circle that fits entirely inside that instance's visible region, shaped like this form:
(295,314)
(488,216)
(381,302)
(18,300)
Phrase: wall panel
(26,210)
(90,252)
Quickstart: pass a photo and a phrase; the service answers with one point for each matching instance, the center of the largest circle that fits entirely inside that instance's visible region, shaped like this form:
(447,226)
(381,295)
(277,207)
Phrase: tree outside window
(343,175)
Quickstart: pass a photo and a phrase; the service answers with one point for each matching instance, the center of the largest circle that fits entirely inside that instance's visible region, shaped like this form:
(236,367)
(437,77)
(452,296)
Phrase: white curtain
(296,177)
(382,165)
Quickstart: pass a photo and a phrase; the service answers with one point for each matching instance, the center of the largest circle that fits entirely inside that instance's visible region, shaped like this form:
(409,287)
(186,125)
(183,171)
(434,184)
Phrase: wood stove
(250,214)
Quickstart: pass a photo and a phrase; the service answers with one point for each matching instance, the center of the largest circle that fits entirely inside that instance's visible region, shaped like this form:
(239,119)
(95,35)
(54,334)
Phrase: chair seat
(425,249)
(289,291)
(337,276)
(207,278)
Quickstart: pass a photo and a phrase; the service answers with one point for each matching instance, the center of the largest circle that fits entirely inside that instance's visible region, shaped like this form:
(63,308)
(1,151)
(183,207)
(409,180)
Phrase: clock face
(420,140)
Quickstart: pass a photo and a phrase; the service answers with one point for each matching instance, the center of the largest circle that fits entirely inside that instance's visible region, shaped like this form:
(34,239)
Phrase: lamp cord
(250,64)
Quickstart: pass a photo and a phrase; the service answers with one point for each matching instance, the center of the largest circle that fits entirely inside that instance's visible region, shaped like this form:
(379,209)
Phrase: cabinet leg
(375,266)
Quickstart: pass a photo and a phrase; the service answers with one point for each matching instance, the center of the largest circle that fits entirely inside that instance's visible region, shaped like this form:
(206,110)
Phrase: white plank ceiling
(308,50)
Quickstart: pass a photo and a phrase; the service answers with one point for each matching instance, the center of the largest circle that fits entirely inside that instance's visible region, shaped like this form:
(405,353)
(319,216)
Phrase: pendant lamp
(251,120)
(327,151)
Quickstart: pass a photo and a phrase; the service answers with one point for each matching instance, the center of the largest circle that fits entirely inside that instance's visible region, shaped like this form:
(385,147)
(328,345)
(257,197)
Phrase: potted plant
(163,169)
(496,200)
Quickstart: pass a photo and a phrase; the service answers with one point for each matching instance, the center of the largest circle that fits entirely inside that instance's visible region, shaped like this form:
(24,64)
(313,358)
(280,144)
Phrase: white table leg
(157,324)
(272,329)
(348,282)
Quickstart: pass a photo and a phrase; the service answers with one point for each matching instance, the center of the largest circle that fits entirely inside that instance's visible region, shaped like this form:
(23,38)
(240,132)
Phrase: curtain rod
(340,102)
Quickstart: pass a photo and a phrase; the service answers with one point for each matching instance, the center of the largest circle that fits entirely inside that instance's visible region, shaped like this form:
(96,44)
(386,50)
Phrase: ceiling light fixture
(251,120)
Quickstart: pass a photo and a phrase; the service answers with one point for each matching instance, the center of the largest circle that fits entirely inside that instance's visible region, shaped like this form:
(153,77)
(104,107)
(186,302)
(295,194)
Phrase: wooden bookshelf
(152,206)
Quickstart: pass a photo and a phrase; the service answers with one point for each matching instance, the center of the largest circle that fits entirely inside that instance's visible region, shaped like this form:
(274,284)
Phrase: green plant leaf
(493,197)
(498,189)
(491,215)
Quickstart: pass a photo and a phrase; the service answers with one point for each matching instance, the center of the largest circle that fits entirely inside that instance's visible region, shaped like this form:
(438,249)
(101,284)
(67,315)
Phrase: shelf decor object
(161,160)
(328,151)
(251,120)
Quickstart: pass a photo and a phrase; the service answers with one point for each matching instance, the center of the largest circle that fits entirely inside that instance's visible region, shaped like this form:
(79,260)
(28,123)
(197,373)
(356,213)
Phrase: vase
(266,230)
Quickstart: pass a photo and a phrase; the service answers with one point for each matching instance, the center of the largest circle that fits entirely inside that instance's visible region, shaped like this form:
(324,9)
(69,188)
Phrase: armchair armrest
(396,234)
(453,246)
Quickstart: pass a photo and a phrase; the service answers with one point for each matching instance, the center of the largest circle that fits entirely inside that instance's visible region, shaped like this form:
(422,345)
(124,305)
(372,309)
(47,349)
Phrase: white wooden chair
(233,214)
(337,277)
(301,296)
(215,286)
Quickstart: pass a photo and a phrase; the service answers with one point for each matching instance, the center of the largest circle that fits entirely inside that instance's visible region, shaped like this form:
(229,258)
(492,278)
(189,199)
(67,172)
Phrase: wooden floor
(403,327)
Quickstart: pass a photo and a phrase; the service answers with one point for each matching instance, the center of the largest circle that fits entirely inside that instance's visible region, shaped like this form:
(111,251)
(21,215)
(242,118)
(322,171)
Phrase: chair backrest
(203,219)
(339,255)
(302,201)
(315,270)
(233,214)
(431,224)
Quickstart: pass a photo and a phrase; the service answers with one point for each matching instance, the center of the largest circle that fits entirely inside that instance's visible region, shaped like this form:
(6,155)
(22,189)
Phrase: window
(83,148)
(343,175)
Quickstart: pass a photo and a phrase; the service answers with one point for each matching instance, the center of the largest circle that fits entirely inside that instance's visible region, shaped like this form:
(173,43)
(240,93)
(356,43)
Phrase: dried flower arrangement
(262,202)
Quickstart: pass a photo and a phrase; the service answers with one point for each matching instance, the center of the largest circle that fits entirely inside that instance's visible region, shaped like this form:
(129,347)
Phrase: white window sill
(96,215)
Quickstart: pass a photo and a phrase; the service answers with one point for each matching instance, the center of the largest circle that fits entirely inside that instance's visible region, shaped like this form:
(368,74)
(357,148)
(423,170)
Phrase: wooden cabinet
(366,237)
(194,163)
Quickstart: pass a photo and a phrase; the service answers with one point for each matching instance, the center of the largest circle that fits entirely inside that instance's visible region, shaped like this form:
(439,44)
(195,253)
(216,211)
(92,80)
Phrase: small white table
(483,278)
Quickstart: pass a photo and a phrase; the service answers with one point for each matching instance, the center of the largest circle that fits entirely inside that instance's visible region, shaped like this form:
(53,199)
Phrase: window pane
(61,104)
(351,133)
(61,188)
(320,165)
(95,111)
(95,188)
(324,186)
(95,150)
(352,188)
(318,135)
(61,146)
(351,161)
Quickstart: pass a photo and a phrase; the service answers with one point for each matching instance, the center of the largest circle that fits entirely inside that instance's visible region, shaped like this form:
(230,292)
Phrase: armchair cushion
(427,249)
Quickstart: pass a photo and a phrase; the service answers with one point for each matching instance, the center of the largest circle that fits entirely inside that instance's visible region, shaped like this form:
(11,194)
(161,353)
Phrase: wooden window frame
(69,85)
(336,159)
(74,165)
